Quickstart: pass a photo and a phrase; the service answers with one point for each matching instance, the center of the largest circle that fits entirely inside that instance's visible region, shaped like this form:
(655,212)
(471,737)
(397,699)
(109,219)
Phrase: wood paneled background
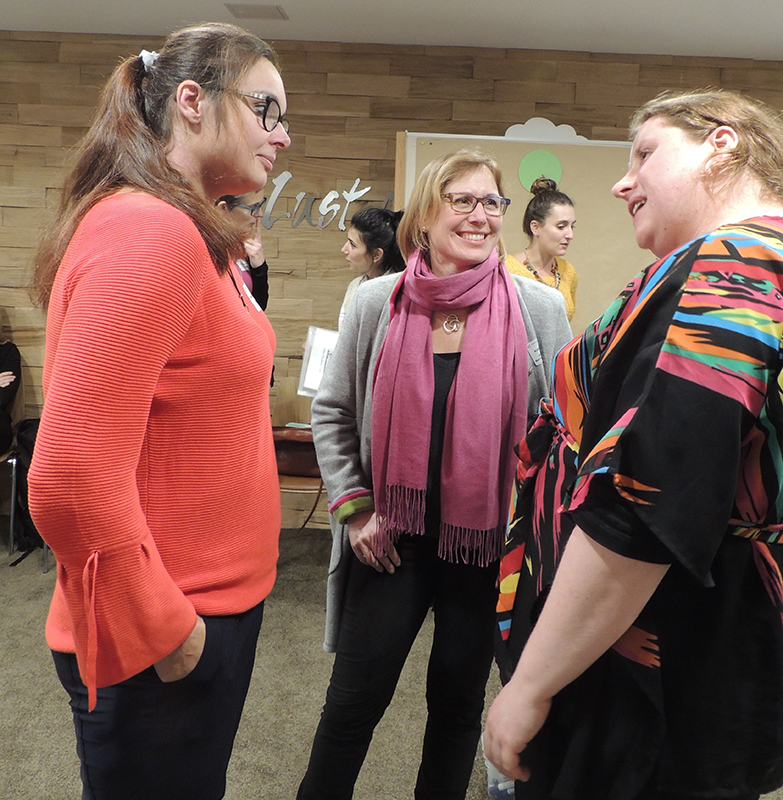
(346,103)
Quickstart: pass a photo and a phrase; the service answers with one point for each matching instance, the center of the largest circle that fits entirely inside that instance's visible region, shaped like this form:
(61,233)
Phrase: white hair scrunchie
(149,58)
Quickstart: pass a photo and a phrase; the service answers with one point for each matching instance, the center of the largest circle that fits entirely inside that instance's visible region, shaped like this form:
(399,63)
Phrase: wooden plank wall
(346,103)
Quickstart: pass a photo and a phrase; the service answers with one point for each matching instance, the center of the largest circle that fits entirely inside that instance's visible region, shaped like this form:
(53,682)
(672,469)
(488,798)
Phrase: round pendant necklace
(556,271)
(451,322)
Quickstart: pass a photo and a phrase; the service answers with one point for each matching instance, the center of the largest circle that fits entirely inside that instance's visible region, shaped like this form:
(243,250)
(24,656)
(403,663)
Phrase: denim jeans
(149,740)
(382,616)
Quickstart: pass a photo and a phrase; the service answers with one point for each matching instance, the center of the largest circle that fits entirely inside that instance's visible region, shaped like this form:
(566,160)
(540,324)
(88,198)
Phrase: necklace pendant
(451,324)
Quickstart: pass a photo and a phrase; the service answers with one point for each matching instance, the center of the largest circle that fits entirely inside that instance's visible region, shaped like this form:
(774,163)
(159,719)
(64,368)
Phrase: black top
(260,275)
(10,361)
(445,369)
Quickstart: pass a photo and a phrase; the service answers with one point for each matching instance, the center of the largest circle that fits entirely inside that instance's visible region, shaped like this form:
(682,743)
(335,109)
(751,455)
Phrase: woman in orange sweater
(154,478)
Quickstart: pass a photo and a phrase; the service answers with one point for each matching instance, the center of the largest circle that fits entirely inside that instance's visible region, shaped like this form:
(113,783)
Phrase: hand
(362,532)
(181,662)
(6,378)
(255,252)
(514,718)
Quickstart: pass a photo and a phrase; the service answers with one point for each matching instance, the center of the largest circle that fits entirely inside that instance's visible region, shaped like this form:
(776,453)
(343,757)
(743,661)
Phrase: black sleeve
(260,277)
(612,522)
(10,361)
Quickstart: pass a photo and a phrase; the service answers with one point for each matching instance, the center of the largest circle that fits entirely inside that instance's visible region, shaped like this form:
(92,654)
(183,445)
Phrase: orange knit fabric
(154,478)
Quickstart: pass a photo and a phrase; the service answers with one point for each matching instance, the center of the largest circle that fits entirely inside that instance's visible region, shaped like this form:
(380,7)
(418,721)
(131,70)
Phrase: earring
(424,230)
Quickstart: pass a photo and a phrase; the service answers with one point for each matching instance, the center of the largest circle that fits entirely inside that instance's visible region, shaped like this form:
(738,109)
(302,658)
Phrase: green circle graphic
(537,163)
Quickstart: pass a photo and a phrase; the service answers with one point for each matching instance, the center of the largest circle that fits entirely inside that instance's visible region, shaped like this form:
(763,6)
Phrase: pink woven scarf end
(470,546)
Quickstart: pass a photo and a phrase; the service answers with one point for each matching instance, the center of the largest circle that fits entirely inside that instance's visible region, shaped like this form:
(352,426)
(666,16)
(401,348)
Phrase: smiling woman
(434,373)
(156,614)
(650,646)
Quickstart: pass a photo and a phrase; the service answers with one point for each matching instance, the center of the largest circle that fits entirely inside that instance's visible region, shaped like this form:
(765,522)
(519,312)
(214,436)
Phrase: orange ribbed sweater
(154,478)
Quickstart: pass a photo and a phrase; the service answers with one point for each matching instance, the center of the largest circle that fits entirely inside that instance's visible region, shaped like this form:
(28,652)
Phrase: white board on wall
(603,249)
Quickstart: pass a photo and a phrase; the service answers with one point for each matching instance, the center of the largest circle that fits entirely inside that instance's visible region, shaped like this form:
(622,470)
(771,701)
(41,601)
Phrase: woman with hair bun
(549,224)
(154,477)
(371,249)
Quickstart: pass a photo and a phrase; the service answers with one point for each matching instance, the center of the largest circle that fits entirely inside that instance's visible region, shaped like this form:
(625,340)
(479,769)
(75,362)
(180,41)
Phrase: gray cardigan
(341,410)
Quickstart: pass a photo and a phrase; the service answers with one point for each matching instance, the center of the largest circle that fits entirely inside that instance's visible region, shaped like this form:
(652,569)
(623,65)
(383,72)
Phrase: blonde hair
(427,195)
(759,129)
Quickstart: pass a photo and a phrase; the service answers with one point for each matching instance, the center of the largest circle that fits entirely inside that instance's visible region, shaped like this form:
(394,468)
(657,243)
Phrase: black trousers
(382,616)
(149,740)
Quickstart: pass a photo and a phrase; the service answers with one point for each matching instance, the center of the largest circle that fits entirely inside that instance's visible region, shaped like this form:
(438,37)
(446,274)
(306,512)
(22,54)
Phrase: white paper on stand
(318,349)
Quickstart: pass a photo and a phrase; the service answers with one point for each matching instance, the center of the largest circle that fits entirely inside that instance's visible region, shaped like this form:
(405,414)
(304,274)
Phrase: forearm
(595,598)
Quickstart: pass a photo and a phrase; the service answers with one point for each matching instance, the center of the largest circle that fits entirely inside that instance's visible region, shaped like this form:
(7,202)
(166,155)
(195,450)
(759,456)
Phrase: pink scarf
(486,410)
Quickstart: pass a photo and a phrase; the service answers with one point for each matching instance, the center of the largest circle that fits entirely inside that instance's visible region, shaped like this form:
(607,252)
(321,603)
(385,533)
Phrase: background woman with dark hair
(154,478)
(371,249)
(10,374)
(252,266)
(549,224)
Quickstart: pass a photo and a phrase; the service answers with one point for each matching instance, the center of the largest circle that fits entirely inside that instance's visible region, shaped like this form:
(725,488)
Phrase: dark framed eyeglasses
(464,203)
(267,110)
(256,210)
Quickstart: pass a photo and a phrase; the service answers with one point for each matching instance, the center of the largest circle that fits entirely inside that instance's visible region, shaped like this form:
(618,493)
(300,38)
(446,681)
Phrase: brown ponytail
(126,144)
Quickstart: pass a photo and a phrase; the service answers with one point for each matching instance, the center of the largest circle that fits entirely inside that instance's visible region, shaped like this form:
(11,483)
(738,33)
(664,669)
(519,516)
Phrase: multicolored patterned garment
(664,443)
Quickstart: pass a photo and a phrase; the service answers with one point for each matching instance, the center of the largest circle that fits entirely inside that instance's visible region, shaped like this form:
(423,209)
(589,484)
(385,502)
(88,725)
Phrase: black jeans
(149,740)
(382,616)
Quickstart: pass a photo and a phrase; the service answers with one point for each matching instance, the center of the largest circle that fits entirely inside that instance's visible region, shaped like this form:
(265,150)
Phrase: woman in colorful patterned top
(651,663)
(549,222)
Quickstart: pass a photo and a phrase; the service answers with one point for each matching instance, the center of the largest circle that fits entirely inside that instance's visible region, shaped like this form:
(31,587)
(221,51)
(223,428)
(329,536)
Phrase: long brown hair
(126,144)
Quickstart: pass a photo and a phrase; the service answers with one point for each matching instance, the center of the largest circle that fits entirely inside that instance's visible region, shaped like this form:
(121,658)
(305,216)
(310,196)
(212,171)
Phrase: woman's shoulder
(565,267)
(133,200)
(376,291)
(546,309)
(514,265)
(535,293)
(137,210)
(137,222)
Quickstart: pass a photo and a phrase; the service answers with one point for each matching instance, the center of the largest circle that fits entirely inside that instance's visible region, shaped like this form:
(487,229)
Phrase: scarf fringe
(404,514)
(461,545)
(456,543)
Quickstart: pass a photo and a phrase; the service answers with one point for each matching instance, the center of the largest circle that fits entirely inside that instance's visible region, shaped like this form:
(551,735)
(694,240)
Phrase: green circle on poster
(537,163)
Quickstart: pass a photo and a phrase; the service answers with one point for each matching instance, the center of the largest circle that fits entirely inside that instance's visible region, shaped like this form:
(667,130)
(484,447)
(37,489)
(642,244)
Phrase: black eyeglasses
(267,110)
(464,203)
(256,210)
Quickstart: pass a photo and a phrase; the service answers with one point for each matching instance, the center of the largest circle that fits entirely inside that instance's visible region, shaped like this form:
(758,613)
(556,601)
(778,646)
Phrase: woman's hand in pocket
(182,661)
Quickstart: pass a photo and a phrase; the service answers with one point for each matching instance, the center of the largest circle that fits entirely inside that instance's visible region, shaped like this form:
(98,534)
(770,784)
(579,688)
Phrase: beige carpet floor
(37,754)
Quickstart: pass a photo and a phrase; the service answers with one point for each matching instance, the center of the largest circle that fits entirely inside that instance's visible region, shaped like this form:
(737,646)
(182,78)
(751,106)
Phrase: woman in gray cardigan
(430,386)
